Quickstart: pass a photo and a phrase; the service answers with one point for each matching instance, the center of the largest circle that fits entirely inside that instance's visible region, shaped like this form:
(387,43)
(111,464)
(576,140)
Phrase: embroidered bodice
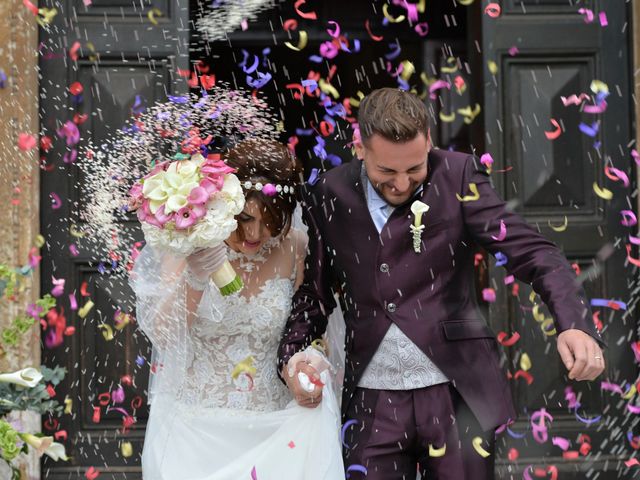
(234,340)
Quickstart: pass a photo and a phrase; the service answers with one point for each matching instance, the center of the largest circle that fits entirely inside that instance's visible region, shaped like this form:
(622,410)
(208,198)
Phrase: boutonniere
(418,209)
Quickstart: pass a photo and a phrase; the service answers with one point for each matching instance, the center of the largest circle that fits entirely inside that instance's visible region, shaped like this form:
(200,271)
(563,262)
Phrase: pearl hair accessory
(268,189)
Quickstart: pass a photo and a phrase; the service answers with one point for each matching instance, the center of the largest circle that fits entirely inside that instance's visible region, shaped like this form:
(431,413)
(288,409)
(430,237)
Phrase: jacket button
(384,268)
(391,307)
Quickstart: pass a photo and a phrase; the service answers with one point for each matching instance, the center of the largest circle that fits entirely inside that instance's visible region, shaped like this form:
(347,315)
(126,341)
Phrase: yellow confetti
(85,309)
(598,86)
(122,320)
(545,327)
(466,3)
(602,192)
(47,16)
(525,362)
(355,102)
(107,331)
(427,80)
(421,5)
(561,228)
(532,296)
(408,69)
(387,15)
(629,395)
(152,14)
(477,444)
(68,405)
(437,452)
(537,314)
(75,232)
(302,42)
(469,114)
(94,57)
(39,241)
(453,65)
(327,88)
(245,366)
(493,67)
(475,195)
(126,449)
(447,118)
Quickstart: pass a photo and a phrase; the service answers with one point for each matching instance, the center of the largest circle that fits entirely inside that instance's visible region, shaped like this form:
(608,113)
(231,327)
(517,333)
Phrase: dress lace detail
(233,363)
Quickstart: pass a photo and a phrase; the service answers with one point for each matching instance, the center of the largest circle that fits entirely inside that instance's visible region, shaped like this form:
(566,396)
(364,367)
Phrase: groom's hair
(393,114)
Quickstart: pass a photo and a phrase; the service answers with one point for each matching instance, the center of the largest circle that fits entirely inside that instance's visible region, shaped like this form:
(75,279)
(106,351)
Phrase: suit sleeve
(313,302)
(531,258)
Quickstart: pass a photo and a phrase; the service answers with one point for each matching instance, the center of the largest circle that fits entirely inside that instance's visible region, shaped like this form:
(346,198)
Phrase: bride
(218,408)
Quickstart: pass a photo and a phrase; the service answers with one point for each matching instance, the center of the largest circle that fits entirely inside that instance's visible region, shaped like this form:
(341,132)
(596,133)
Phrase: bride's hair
(267,161)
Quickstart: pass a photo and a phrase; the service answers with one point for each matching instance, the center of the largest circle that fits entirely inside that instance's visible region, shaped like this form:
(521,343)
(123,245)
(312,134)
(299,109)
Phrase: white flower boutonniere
(418,209)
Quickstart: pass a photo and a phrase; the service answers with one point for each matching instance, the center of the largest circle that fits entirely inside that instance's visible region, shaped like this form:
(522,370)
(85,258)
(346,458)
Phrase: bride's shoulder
(298,239)
(295,242)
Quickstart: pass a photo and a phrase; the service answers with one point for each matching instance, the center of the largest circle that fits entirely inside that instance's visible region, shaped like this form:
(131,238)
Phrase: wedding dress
(218,409)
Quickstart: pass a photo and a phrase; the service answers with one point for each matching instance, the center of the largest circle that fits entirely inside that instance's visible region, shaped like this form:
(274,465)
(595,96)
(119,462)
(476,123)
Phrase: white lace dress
(218,409)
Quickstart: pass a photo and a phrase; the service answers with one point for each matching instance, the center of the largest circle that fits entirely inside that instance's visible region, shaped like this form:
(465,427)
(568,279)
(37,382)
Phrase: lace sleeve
(166,306)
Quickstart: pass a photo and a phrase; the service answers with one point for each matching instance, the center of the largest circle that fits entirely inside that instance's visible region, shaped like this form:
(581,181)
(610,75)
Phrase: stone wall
(19,180)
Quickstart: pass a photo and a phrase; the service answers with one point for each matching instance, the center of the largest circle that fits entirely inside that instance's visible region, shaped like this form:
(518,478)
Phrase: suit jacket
(429,295)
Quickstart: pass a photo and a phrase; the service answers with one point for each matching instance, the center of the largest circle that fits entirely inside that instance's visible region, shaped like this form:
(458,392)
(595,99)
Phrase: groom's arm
(533,259)
(313,301)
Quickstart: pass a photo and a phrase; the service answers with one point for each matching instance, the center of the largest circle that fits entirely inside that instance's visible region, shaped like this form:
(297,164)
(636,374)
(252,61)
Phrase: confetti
(475,195)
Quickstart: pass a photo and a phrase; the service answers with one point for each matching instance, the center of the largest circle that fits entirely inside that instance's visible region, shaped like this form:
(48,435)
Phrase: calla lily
(185,218)
(45,445)
(418,208)
(162,217)
(27,377)
(198,196)
(175,203)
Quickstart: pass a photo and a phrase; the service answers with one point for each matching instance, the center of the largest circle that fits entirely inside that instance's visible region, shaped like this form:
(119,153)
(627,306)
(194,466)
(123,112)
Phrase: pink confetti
(254,475)
(603,19)
(72,301)
(493,10)
(489,295)
(513,51)
(628,218)
(588,14)
(26,142)
(632,462)
(636,156)
(437,85)
(244,25)
(561,442)
(56,202)
(73,51)
(58,288)
(487,160)
(422,28)
(503,232)
(574,99)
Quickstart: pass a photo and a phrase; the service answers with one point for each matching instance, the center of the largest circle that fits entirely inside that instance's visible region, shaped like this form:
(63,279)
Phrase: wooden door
(543,51)
(117,50)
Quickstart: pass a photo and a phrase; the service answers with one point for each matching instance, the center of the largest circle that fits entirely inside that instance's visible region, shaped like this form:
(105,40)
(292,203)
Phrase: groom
(423,382)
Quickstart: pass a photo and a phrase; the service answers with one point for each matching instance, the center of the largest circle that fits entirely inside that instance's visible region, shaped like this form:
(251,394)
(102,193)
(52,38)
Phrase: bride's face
(256,231)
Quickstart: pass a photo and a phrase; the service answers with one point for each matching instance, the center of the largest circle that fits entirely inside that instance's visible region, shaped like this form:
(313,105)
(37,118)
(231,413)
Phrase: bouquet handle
(226,279)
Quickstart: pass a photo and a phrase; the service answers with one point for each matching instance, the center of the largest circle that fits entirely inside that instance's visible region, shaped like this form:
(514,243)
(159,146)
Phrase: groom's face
(395,169)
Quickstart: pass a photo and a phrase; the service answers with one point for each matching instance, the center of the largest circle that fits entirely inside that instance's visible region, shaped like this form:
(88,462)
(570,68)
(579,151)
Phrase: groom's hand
(305,398)
(581,355)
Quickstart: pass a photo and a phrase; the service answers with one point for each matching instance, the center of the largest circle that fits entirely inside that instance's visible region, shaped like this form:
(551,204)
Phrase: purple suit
(429,295)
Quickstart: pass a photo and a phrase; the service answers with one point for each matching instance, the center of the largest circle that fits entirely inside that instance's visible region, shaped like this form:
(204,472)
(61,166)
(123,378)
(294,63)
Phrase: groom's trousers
(431,430)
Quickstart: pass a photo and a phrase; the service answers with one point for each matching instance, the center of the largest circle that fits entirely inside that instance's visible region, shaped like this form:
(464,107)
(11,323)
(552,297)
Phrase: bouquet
(190,203)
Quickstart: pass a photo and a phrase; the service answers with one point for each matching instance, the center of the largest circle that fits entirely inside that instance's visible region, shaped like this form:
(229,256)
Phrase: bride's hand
(205,261)
(306,397)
